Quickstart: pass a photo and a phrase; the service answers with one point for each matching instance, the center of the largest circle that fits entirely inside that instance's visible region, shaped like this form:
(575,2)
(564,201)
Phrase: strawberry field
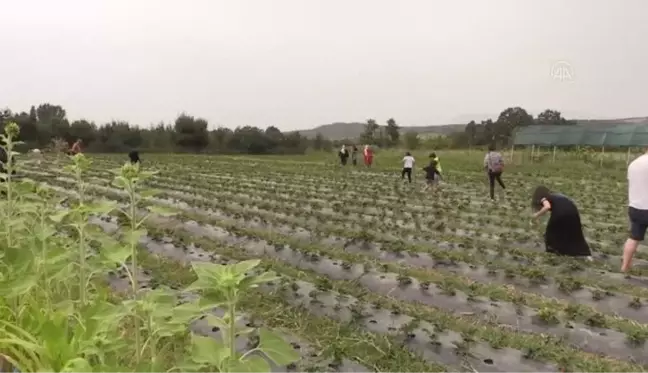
(372,274)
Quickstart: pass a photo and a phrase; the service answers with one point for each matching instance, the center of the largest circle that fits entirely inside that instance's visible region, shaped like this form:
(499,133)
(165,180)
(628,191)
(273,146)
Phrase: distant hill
(604,123)
(341,130)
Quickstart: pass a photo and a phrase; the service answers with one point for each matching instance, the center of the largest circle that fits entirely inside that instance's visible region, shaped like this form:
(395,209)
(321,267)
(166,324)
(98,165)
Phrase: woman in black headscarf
(134,157)
(564,232)
(3,162)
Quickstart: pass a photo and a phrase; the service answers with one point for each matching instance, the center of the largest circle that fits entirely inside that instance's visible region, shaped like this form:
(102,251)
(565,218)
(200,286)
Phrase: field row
(428,287)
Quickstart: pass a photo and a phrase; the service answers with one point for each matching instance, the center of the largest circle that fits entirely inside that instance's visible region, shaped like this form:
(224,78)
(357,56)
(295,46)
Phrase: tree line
(48,124)
(501,131)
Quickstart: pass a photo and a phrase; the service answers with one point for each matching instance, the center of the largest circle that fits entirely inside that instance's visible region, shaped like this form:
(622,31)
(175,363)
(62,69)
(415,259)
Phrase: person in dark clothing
(431,174)
(344,155)
(494,166)
(564,232)
(354,155)
(134,157)
(3,162)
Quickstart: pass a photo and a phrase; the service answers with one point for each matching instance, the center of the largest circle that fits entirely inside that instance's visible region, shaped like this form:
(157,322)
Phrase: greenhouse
(624,135)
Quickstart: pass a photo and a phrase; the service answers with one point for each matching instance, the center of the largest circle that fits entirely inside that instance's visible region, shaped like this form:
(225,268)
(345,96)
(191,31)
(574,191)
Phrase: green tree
(552,117)
(52,122)
(508,121)
(28,128)
(471,132)
(412,140)
(274,137)
(369,134)
(219,139)
(191,133)
(393,131)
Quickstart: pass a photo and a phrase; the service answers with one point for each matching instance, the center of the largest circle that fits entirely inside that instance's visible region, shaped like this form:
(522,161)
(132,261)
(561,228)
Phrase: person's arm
(546,206)
(486,161)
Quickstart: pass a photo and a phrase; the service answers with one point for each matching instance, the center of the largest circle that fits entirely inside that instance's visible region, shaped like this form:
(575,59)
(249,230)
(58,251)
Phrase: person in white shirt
(637,207)
(408,164)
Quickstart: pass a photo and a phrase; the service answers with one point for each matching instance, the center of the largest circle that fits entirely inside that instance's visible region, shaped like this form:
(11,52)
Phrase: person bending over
(431,175)
(134,157)
(564,232)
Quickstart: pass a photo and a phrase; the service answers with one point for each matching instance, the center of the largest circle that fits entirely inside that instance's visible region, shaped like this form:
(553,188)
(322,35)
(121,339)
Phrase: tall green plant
(56,311)
(223,285)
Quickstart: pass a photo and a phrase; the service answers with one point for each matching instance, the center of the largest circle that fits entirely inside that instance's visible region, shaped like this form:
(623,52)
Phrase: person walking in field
(637,208)
(434,157)
(564,232)
(431,175)
(354,155)
(408,165)
(344,155)
(368,156)
(494,166)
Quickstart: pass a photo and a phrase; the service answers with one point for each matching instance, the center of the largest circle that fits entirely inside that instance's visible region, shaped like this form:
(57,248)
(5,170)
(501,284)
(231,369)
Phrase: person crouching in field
(76,148)
(564,232)
(134,157)
(431,175)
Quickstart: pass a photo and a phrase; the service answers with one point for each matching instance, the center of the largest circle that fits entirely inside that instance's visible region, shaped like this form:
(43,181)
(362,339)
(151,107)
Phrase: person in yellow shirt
(434,157)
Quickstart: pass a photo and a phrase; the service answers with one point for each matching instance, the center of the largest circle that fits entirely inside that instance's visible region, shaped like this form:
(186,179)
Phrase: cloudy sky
(301,63)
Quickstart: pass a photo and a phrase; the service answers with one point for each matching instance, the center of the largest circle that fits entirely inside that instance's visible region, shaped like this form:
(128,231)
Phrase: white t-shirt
(408,161)
(638,183)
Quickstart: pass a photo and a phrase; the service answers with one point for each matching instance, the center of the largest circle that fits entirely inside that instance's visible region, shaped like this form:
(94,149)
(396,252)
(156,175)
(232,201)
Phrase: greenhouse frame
(623,135)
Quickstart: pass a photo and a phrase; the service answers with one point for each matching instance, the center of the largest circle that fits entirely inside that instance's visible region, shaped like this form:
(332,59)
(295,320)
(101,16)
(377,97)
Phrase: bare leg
(629,249)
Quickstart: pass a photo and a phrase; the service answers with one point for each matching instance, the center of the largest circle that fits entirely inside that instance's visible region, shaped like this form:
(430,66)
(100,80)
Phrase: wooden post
(628,157)
(553,158)
(603,149)
(532,152)
(512,153)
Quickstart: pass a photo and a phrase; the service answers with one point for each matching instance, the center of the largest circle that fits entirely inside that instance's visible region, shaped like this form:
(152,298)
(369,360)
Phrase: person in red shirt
(368,156)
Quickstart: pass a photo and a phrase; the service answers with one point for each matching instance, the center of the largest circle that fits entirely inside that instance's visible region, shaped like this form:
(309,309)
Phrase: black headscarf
(134,156)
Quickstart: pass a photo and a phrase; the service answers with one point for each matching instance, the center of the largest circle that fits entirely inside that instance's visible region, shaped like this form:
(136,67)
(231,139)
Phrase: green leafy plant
(222,285)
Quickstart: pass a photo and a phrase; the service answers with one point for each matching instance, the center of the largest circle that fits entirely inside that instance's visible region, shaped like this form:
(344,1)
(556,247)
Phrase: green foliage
(47,123)
(369,134)
(56,311)
(501,131)
(392,131)
(411,140)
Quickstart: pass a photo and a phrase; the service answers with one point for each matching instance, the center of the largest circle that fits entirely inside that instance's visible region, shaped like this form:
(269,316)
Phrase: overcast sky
(301,63)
